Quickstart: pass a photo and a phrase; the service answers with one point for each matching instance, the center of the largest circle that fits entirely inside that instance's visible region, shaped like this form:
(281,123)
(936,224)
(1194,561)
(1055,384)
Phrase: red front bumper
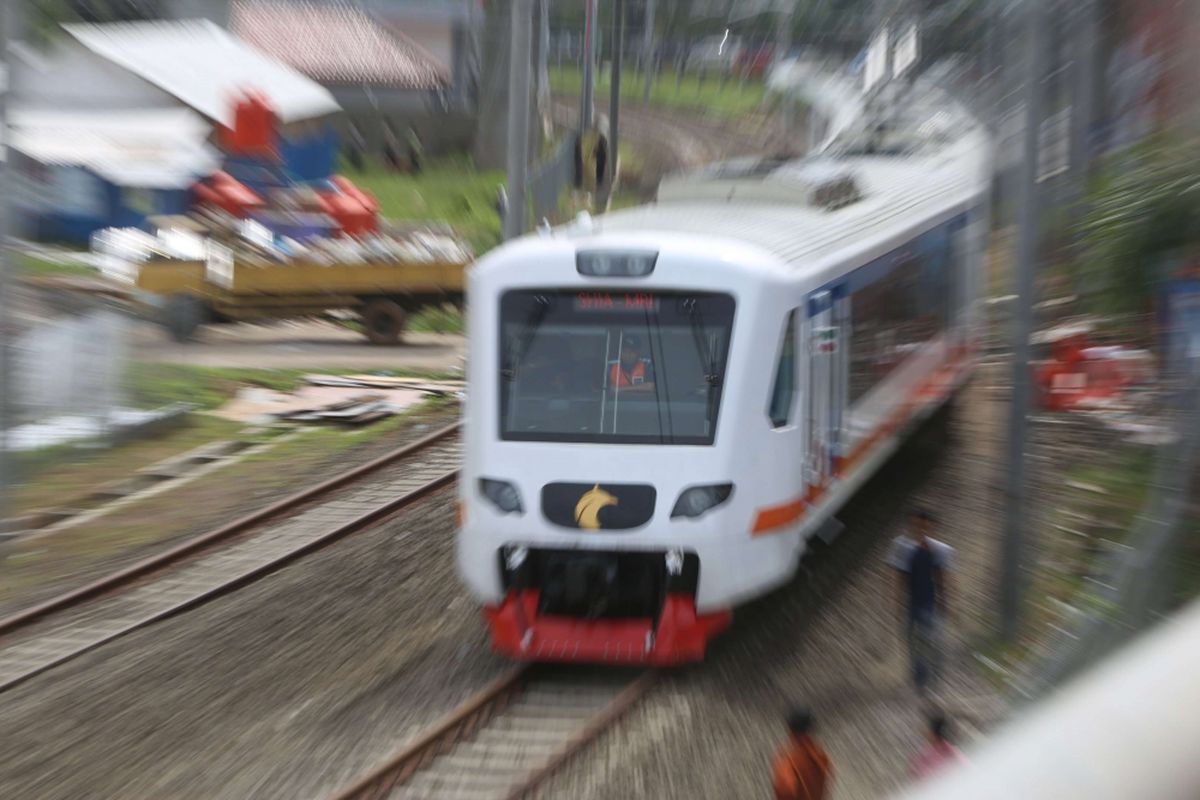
(681,636)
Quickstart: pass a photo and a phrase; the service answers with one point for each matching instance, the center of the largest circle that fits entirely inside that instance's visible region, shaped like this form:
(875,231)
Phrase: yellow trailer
(191,293)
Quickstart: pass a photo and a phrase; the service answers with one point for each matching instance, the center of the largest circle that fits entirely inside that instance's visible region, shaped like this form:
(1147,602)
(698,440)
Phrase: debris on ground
(337,404)
(436,387)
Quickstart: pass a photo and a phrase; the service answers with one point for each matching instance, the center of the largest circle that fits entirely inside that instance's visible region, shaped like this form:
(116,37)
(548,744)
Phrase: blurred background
(236,236)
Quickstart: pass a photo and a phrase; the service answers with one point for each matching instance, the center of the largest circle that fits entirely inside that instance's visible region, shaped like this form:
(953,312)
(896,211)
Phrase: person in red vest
(802,770)
(633,372)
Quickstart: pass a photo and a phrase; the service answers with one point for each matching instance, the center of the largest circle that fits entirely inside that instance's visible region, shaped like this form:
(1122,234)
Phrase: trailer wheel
(182,315)
(383,321)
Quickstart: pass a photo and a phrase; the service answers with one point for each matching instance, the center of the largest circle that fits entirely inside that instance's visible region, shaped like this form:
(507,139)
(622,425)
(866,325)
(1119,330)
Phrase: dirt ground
(307,344)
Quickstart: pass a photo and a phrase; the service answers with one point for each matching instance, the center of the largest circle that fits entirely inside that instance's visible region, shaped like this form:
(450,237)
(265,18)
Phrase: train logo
(587,510)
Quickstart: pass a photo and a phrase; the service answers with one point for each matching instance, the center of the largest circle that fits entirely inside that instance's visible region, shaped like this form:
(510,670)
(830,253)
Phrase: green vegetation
(447,190)
(154,384)
(437,319)
(26,264)
(1145,214)
(1100,501)
(733,99)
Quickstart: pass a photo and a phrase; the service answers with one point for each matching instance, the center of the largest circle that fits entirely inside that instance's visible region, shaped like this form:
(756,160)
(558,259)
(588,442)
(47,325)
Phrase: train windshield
(613,366)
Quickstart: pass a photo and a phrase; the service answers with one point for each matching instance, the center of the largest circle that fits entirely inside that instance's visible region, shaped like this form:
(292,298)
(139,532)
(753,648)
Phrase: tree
(1144,212)
(44,17)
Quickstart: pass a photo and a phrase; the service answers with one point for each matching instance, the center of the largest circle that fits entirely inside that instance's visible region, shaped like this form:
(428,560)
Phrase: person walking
(922,589)
(939,751)
(801,770)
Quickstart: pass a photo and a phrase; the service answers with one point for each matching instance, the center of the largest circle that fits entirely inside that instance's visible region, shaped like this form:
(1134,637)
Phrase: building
(379,76)
(142,100)
(74,172)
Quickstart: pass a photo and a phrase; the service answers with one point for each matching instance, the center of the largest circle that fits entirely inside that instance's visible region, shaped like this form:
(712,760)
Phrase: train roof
(831,207)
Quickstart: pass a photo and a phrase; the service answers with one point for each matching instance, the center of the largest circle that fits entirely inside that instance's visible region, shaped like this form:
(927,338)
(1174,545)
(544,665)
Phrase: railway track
(504,742)
(66,626)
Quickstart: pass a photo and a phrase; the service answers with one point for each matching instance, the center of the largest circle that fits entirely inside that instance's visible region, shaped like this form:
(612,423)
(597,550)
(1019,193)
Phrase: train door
(825,383)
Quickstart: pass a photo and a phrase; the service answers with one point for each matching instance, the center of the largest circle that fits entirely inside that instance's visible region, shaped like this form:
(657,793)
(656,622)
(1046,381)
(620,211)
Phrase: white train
(666,404)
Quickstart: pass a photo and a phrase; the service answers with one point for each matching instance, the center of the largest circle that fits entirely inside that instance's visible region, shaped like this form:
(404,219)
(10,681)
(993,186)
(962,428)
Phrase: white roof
(155,148)
(205,67)
(899,194)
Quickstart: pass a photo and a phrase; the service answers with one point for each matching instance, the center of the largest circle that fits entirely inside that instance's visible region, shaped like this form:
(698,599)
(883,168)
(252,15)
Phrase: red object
(935,757)
(682,635)
(254,129)
(347,186)
(754,62)
(227,193)
(1078,375)
(356,212)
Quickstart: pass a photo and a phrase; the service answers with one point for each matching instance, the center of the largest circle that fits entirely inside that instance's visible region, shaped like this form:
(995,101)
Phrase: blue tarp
(310,157)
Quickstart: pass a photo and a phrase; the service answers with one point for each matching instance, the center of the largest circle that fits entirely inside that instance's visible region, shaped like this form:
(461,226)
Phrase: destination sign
(616,301)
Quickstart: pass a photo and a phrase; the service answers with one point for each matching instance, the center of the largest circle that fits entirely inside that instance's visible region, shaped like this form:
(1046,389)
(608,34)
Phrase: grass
(447,190)
(154,384)
(732,100)
(437,319)
(32,266)
(59,475)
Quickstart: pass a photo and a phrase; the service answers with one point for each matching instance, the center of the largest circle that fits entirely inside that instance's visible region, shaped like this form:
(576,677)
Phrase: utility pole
(518,117)
(648,52)
(1015,515)
(786,21)
(614,102)
(589,64)
(8,22)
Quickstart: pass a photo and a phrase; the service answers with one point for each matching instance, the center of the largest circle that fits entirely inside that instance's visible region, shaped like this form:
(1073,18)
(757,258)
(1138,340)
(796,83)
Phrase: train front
(592,489)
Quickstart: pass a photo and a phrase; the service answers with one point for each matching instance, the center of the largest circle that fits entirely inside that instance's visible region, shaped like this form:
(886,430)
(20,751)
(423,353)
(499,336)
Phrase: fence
(1132,588)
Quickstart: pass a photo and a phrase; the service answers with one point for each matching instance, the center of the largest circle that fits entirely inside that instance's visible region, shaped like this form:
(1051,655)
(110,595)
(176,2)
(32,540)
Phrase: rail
(197,570)
(508,739)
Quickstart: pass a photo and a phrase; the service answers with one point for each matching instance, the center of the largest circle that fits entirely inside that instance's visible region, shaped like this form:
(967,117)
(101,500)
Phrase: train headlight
(503,495)
(696,500)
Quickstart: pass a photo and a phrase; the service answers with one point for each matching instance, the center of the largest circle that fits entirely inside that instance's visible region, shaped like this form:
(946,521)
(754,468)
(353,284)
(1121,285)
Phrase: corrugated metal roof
(158,148)
(336,43)
(205,67)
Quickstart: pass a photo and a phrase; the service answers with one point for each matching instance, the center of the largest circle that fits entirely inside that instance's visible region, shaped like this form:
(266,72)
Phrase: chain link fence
(1132,588)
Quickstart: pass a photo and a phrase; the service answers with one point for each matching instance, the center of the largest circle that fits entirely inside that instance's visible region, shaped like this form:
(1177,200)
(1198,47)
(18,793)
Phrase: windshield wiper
(707,357)
(529,328)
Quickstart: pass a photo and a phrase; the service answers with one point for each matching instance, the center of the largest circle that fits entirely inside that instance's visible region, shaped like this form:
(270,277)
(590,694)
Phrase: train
(667,405)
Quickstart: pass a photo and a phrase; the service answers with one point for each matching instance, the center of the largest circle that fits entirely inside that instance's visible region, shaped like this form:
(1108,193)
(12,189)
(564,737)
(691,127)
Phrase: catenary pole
(518,117)
(1016,517)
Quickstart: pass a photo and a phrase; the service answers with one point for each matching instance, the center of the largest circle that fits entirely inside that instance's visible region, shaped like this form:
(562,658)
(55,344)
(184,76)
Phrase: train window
(904,303)
(783,393)
(612,366)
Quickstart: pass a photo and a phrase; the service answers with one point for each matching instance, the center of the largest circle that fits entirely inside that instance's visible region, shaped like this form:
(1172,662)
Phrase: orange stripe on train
(773,518)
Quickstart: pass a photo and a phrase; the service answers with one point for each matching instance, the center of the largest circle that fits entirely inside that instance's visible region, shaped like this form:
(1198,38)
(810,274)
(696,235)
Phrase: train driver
(633,372)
